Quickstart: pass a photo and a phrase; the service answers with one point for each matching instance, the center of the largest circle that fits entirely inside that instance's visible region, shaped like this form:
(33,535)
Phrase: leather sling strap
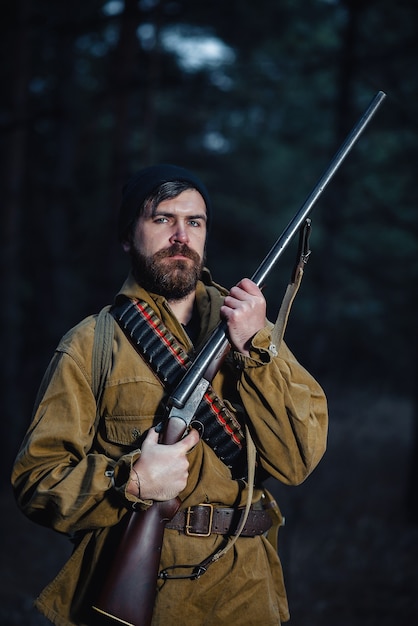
(217,425)
(302,258)
(277,334)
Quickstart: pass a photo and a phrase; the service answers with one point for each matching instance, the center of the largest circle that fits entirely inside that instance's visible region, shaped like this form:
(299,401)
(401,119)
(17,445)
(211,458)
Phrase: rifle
(128,594)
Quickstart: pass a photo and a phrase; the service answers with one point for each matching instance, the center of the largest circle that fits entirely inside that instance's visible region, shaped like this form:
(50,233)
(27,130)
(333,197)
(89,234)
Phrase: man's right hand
(161,470)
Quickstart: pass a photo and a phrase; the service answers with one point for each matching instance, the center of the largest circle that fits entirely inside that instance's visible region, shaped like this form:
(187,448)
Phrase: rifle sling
(218,427)
(302,257)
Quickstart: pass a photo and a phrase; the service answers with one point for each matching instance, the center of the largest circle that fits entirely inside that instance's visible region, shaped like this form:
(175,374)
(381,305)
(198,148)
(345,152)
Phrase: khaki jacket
(71,478)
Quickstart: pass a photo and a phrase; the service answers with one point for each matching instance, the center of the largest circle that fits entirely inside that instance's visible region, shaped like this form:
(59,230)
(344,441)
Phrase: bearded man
(86,461)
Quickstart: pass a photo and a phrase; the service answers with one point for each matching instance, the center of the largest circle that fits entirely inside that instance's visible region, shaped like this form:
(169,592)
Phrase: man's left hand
(244,310)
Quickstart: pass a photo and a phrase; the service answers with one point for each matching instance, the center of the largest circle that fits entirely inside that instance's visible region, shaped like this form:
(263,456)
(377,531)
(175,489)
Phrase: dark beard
(173,281)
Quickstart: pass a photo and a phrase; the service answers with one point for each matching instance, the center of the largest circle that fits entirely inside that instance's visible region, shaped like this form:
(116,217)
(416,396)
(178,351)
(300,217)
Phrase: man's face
(168,247)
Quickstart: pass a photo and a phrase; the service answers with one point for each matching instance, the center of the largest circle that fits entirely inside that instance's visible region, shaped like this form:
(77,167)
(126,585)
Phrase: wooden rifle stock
(129,591)
(128,594)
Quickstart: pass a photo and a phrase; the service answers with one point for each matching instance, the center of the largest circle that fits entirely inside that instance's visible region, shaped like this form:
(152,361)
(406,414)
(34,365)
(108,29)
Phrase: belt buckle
(188,529)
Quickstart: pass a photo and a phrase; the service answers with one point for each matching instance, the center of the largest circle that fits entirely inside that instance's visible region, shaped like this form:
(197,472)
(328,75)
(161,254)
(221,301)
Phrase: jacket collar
(209,299)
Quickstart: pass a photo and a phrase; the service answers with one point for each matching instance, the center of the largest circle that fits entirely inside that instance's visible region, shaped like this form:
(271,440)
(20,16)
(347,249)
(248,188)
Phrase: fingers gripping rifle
(128,594)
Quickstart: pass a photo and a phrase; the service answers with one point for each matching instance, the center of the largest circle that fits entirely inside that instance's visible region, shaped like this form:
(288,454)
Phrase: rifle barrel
(294,225)
(218,341)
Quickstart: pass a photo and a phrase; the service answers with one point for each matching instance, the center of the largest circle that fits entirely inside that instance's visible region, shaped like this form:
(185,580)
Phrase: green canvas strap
(101,358)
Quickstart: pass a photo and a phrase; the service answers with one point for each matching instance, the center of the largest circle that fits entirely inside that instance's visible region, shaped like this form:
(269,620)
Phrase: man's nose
(179,234)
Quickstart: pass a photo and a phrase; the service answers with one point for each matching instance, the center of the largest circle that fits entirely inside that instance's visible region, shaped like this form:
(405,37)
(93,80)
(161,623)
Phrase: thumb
(152,436)
(191,439)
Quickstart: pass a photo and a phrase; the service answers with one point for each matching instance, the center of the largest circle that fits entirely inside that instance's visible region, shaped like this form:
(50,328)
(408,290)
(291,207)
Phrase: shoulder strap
(101,357)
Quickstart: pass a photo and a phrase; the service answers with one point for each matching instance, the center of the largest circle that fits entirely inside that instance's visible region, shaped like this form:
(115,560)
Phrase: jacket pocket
(127,430)
(130,406)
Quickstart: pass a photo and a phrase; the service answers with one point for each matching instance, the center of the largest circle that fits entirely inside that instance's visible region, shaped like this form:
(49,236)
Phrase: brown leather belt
(204,519)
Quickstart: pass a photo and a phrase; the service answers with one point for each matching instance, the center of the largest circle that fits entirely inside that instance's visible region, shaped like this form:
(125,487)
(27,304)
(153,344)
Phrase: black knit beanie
(147,180)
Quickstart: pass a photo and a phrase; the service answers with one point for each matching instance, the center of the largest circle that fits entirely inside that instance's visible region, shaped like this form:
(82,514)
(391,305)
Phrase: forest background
(255,97)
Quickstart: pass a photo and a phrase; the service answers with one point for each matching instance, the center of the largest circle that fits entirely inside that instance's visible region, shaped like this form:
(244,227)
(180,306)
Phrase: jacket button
(136,433)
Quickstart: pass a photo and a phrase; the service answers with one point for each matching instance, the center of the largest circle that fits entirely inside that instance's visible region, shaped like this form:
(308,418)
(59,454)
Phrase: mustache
(178,248)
